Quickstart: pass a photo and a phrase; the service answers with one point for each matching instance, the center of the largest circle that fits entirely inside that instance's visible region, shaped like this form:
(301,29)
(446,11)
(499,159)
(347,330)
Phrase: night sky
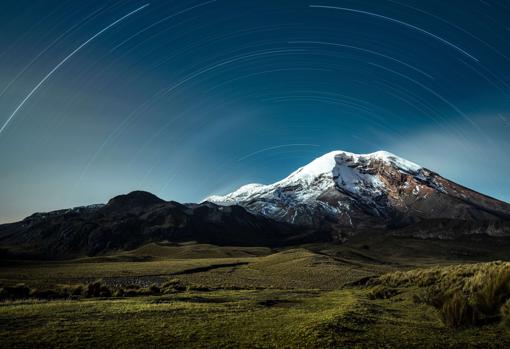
(191,98)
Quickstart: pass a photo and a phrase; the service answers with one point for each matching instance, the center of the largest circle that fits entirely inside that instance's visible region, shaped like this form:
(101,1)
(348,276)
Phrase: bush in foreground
(96,289)
(93,290)
(464,295)
(19,291)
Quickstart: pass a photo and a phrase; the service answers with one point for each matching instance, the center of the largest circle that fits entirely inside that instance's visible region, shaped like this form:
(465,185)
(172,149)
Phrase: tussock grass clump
(21,291)
(173,286)
(464,295)
(382,292)
(49,294)
(456,310)
(96,289)
(152,290)
(77,290)
(490,288)
(505,313)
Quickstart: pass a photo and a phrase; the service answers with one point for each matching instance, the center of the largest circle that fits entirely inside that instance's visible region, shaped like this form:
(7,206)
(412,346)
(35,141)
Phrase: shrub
(173,286)
(19,291)
(105,292)
(95,289)
(132,291)
(77,291)
(154,289)
(49,294)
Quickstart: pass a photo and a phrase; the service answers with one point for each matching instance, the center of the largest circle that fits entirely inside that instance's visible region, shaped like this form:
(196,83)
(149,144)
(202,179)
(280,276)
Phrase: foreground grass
(218,319)
(294,298)
(473,294)
(243,318)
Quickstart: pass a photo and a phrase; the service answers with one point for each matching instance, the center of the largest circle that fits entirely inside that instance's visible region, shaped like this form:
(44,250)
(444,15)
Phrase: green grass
(216,319)
(293,298)
(233,318)
(294,268)
(467,294)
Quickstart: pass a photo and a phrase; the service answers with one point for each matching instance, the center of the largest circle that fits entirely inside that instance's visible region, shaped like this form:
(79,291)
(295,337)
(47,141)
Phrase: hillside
(132,220)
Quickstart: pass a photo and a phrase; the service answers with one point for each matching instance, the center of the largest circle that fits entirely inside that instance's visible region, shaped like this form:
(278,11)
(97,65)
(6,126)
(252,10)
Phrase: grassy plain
(356,295)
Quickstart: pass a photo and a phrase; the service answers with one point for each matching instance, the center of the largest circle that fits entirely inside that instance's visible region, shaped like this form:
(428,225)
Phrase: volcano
(348,192)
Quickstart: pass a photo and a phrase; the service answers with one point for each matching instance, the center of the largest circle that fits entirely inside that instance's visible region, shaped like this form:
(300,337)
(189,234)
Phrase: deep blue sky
(190,98)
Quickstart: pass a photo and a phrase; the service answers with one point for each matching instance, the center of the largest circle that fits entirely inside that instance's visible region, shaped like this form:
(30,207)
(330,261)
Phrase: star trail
(191,98)
(47,76)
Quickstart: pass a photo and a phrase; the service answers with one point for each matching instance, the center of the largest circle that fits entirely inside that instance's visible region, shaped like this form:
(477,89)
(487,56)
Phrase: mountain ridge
(333,198)
(379,188)
(137,218)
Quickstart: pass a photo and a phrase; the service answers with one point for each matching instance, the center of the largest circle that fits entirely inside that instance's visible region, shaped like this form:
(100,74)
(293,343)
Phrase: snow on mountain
(338,168)
(357,190)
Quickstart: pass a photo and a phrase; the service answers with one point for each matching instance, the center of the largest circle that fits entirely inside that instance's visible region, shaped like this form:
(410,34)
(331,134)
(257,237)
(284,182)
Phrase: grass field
(308,296)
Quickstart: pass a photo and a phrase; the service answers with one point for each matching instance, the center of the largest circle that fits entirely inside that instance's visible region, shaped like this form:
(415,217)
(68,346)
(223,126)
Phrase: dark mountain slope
(129,221)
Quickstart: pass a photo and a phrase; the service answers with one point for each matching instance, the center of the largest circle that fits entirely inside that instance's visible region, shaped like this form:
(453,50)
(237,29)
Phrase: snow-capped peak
(393,159)
(333,168)
(380,155)
(358,191)
(236,196)
(325,164)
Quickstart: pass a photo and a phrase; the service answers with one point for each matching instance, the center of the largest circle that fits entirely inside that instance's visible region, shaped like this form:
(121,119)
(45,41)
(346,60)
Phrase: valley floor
(310,296)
